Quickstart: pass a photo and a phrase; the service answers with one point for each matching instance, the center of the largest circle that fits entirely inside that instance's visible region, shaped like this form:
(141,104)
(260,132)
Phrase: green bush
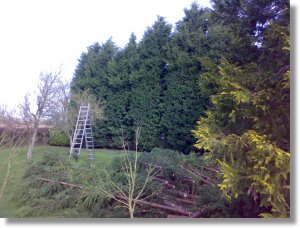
(58,138)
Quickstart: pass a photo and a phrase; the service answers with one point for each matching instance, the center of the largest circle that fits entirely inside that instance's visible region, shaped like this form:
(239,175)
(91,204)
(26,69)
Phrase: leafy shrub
(58,138)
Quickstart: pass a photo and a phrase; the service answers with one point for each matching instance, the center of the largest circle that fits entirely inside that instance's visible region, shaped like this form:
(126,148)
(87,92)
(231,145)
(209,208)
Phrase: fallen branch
(153,165)
(165,182)
(177,216)
(211,169)
(201,176)
(170,204)
(181,194)
(183,178)
(198,214)
(185,201)
(60,182)
(156,205)
(150,212)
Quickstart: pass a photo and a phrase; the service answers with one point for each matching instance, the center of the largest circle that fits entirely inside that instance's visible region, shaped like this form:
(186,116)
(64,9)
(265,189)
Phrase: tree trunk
(70,139)
(32,142)
(131,213)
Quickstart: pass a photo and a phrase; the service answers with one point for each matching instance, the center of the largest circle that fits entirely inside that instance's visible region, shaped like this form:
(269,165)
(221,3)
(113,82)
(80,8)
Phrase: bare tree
(136,183)
(47,97)
(68,108)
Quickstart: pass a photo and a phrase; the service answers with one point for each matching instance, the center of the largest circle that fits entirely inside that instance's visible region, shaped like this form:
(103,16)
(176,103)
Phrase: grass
(19,165)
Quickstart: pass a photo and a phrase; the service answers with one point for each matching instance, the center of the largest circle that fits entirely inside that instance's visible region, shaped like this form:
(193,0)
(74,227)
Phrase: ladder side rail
(83,131)
(91,130)
(91,124)
(75,133)
(89,144)
(89,135)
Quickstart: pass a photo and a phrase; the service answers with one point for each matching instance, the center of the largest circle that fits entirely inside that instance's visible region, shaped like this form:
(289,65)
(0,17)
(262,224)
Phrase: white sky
(41,35)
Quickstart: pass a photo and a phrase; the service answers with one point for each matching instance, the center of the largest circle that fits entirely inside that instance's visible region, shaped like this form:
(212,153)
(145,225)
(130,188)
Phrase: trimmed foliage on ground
(57,186)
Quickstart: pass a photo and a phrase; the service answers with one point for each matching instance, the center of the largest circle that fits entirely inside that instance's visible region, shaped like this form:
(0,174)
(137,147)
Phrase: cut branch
(185,201)
(60,182)
(201,176)
(181,194)
(156,205)
(173,205)
(211,169)
(165,182)
(177,216)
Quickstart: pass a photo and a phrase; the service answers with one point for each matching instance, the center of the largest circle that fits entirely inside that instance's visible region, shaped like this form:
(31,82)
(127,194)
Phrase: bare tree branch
(46,100)
(136,185)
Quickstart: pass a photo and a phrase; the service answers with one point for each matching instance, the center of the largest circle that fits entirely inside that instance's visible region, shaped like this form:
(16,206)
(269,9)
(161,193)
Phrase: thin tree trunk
(32,142)
(6,177)
(70,139)
(131,213)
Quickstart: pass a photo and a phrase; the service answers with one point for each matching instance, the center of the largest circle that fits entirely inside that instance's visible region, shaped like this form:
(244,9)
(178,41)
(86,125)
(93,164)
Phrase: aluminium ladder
(83,131)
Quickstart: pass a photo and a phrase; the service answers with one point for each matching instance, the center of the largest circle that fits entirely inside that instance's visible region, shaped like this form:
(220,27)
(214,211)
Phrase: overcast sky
(41,35)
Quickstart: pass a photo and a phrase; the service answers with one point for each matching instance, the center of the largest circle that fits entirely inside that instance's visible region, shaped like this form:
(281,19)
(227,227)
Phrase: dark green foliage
(183,102)
(153,83)
(118,106)
(92,73)
(147,107)
(166,158)
(58,138)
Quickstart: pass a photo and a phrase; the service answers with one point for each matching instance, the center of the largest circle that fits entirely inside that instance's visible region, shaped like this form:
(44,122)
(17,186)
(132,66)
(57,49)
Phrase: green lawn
(19,164)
